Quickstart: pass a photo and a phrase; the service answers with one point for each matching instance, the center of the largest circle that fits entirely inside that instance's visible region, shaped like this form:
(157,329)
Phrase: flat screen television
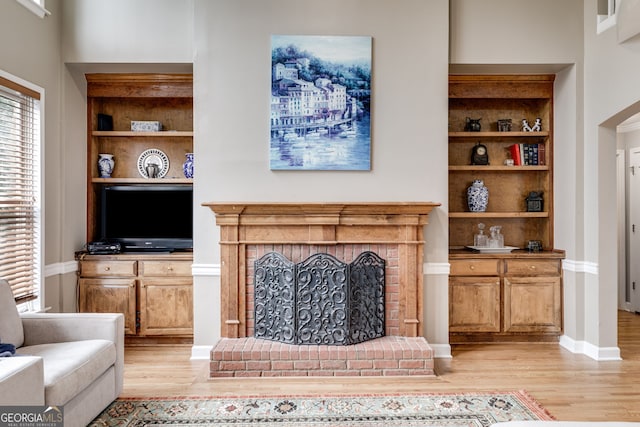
(147,217)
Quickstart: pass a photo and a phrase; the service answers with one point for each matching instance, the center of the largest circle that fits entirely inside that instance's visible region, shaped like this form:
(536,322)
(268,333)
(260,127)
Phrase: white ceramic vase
(477,196)
(105,165)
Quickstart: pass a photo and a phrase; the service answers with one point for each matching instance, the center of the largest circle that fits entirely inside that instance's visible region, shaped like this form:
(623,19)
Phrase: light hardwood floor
(570,386)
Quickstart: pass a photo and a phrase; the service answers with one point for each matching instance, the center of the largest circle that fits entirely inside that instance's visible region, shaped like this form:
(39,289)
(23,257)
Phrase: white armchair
(70,360)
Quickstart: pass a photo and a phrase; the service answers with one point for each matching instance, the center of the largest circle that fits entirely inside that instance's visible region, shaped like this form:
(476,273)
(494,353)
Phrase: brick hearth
(343,229)
(386,356)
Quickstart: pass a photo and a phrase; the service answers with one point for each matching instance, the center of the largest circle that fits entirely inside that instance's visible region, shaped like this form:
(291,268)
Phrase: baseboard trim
(580,266)
(58,268)
(201,352)
(436,268)
(441,351)
(601,354)
(206,270)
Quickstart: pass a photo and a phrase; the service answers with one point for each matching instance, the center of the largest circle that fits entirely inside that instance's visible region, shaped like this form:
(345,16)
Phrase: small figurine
(472,125)
(525,126)
(537,126)
(504,125)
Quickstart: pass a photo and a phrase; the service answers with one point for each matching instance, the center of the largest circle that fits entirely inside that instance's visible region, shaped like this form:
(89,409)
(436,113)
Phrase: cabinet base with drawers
(507,297)
(153,291)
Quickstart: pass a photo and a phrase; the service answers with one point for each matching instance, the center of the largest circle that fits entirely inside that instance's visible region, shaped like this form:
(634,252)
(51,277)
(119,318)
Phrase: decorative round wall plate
(152,157)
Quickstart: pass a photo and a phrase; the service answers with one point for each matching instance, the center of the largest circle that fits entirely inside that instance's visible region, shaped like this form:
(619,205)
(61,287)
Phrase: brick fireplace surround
(393,230)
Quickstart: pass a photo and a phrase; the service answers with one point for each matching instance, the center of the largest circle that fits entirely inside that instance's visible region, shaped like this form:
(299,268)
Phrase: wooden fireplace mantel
(243,224)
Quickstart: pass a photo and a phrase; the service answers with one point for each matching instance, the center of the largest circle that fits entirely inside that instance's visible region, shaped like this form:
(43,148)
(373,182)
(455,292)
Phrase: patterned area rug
(438,410)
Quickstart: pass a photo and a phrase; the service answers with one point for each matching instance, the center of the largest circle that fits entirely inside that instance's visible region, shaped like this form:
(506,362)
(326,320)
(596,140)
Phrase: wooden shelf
(542,134)
(127,133)
(142,180)
(498,214)
(515,296)
(477,168)
(165,98)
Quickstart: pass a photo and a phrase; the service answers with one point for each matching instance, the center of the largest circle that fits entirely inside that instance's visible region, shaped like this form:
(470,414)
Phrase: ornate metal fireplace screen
(320,300)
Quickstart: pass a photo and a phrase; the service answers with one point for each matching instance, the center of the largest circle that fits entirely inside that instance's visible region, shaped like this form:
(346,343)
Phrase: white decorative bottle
(105,165)
(477,196)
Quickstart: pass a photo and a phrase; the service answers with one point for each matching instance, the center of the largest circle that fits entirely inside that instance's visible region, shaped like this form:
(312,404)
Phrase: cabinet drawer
(520,267)
(474,267)
(166,268)
(107,268)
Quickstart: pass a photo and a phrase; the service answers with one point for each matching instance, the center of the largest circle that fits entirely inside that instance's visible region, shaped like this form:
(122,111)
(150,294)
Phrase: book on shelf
(527,154)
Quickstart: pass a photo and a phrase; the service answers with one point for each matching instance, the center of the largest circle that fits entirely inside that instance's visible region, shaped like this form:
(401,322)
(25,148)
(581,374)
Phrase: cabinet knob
(472,267)
(532,267)
(107,268)
(170,268)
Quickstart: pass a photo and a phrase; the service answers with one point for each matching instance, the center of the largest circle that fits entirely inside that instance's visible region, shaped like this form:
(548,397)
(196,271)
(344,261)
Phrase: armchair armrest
(46,328)
(21,381)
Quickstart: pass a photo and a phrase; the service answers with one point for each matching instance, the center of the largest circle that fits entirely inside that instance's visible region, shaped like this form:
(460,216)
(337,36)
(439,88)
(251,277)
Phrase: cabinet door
(110,296)
(532,304)
(166,306)
(474,304)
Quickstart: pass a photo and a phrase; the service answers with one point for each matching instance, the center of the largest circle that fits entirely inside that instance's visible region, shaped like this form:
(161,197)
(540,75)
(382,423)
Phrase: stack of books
(528,154)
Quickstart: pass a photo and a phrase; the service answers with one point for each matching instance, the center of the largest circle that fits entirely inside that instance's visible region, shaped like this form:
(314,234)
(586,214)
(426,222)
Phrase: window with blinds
(20,204)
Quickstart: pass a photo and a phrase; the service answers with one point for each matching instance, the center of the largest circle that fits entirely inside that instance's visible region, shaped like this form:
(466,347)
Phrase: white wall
(512,36)
(231,103)
(612,94)
(409,114)
(128,31)
(228,42)
(515,32)
(30,50)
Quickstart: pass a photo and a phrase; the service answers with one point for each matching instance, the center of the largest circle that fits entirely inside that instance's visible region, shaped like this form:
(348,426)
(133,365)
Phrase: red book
(541,157)
(515,154)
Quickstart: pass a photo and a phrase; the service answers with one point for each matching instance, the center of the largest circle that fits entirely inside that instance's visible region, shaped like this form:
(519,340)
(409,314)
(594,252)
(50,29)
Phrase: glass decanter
(480,239)
(496,239)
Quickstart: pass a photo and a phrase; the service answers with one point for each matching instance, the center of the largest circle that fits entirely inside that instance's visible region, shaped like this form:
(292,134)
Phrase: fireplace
(320,300)
(392,230)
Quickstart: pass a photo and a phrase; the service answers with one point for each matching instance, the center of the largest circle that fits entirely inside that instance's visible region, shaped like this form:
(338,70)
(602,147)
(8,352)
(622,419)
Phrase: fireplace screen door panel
(320,300)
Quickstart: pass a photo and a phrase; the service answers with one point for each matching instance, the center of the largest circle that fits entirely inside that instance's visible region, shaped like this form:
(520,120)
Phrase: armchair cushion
(69,367)
(11,330)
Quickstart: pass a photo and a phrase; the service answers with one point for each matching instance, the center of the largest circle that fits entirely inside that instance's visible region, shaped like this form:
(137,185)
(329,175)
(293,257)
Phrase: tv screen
(148,217)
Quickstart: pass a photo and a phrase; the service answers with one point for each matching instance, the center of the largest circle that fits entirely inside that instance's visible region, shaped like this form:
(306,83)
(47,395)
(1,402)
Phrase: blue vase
(105,165)
(477,196)
(187,166)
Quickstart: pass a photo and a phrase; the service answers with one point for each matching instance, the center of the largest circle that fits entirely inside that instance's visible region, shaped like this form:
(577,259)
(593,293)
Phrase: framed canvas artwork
(320,103)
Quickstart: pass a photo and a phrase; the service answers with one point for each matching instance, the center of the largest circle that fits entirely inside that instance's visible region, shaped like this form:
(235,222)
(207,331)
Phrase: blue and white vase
(105,165)
(477,196)
(187,166)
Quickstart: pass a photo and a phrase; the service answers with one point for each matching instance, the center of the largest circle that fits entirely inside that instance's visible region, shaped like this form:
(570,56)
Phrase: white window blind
(20,204)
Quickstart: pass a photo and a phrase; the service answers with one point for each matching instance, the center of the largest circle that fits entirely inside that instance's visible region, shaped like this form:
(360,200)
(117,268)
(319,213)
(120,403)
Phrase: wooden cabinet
(515,296)
(153,291)
(533,295)
(165,98)
(507,297)
(110,295)
(475,304)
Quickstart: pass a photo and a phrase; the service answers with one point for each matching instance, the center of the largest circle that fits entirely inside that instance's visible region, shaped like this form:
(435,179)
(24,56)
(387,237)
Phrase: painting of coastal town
(320,103)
